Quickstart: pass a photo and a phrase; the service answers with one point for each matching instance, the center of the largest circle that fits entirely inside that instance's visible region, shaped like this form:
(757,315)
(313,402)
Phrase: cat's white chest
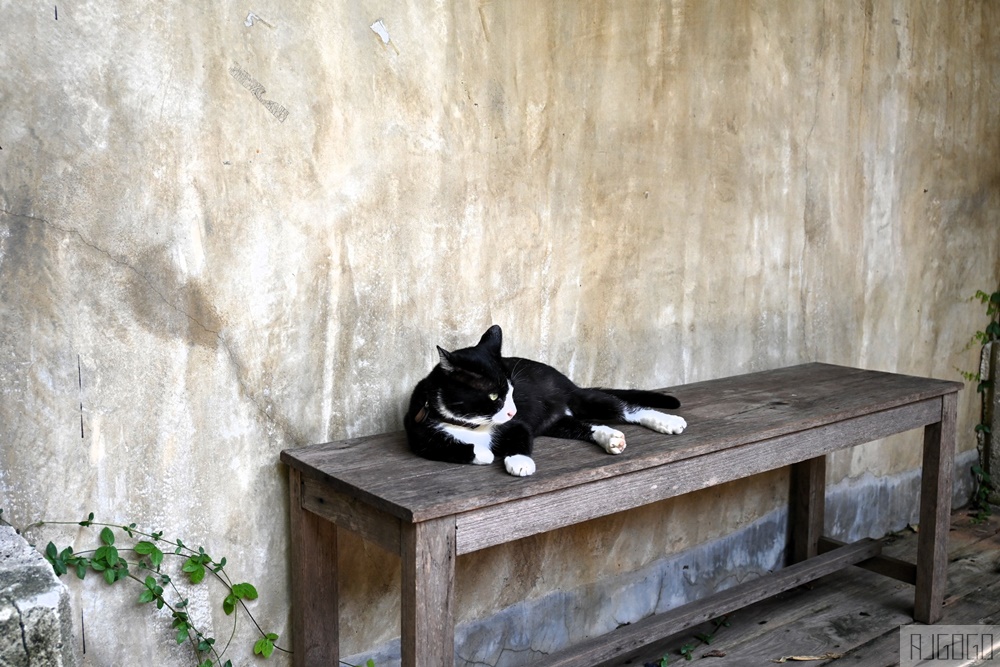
(481,438)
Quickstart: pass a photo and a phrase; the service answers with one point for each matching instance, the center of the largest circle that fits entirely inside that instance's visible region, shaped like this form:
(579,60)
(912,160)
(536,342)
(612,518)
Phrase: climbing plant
(140,560)
(150,549)
(979,505)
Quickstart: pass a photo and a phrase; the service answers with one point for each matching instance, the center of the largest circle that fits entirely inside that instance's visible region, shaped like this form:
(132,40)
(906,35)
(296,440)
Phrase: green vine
(108,561)
(687,650)
(151,549)
(979,505)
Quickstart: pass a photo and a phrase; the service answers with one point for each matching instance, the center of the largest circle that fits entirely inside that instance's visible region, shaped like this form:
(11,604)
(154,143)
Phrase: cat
(476,405)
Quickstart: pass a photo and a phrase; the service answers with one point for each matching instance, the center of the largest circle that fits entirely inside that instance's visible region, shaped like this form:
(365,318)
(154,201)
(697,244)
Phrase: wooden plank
(428,598)
(898,569)
(722,414)
(808,502)
(314,585)
(847,612)
(981,607)
(521,518)
(628,638)
(352,514)
(935,512)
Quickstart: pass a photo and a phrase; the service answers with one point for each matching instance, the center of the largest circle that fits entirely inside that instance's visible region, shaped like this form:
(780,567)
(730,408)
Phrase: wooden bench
(430,513)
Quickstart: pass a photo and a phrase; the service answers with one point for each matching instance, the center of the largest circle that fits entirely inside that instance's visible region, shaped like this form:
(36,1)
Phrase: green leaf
(245,591)
(229,604)
(109,576)
(107,556)
(182,634)
(51,551)
(370,663)
(86,523)
(264,646)
(145,548)
(146,596)
(195,568)
(107,536)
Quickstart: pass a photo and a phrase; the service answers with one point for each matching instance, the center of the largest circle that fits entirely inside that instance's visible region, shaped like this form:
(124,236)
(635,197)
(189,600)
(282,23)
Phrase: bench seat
(430,512)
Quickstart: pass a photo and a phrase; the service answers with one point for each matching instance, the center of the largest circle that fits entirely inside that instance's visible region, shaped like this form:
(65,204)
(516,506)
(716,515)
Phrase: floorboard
(852,616)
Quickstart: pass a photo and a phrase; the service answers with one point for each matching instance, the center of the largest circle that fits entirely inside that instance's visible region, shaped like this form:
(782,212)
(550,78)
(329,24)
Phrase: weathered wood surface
(629,637)
(314,584)
(851,613)
(350,513)
(722,414)
(898,569)
(935,512)
(808,502)
(563,507)
(430,512)
(428,593)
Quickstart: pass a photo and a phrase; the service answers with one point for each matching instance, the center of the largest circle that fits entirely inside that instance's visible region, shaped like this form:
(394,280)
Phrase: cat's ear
(492,339)
(445,359)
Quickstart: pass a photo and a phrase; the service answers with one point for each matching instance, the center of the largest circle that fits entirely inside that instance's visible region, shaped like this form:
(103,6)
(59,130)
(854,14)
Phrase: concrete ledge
(35,619)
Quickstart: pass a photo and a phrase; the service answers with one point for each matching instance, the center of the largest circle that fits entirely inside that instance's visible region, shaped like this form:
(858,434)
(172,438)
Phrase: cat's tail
(642,398)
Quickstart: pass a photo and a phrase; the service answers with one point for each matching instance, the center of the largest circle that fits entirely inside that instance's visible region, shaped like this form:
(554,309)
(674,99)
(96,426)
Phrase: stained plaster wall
(222,235)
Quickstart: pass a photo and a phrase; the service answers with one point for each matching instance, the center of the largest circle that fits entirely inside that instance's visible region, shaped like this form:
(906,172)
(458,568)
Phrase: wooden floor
(852,617)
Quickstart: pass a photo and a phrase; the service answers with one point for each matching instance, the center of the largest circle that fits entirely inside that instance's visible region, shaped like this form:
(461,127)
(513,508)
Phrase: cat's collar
(422,414)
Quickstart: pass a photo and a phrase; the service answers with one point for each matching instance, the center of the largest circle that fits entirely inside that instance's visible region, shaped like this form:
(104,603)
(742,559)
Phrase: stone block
(35,619)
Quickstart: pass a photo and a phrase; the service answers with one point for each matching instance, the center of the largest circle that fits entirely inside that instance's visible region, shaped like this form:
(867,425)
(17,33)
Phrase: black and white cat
(476,405)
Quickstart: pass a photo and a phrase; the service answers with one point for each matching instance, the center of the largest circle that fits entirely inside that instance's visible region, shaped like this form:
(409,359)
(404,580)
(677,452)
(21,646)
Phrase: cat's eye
(494,396)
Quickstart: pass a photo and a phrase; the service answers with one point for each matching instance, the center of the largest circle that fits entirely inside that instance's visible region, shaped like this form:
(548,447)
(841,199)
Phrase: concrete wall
(221,236)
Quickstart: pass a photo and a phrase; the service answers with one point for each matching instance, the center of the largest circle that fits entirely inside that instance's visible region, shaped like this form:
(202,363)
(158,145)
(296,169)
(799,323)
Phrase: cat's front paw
(662,423)
(612,440)
(483,455)
(519,465)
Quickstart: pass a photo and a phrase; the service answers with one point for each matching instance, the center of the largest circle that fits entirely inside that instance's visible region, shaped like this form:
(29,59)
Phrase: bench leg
(314,586)
(428,620)
(808,503)
(935,513)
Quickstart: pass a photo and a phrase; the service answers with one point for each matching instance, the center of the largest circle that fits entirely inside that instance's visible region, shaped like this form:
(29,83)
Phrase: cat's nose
(511,412)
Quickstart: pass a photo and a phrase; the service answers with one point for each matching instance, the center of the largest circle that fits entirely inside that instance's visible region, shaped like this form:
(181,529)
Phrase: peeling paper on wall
(379,29)
(251,18)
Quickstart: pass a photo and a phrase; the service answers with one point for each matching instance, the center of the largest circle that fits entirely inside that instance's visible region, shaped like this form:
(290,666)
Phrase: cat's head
(472,385)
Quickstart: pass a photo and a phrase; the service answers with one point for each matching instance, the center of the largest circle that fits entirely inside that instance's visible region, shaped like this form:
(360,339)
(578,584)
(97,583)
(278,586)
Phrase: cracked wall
(35,618)
(224,235)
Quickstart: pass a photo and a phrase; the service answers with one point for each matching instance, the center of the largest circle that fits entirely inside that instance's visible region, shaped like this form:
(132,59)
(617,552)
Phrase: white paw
(519,465)
(612,440)
(661,422)
(483,455)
